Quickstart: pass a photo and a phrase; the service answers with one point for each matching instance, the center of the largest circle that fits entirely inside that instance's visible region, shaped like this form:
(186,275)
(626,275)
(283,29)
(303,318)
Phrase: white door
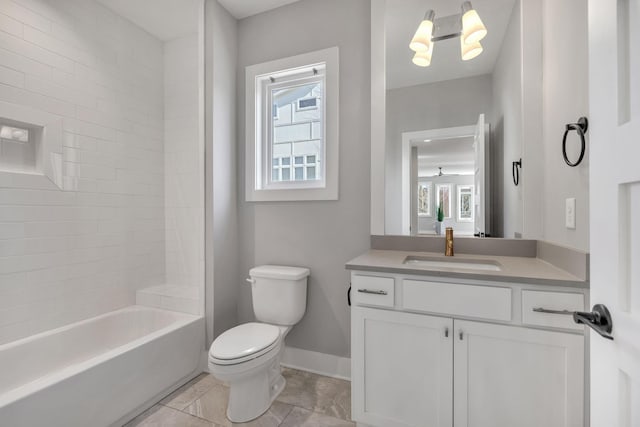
(479,178)
(404,371)
(614,141)
(507,376)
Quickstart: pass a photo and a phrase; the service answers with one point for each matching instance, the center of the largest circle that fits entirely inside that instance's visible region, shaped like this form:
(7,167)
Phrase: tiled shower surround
(73,253)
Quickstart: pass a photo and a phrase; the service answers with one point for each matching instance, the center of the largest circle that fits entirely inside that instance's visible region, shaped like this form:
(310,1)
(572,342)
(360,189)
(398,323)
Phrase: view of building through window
(297,132)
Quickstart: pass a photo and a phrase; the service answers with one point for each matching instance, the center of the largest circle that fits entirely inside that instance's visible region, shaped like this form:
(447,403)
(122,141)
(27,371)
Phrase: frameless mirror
(453,127)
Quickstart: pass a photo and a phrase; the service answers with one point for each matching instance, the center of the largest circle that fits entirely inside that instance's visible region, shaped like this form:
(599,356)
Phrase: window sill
(290,195)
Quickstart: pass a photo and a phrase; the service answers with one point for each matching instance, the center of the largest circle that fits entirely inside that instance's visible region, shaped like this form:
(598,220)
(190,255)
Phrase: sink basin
(452,263)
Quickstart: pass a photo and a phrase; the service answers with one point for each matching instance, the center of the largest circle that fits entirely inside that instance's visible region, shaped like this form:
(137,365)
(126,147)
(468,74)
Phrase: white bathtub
(100,371)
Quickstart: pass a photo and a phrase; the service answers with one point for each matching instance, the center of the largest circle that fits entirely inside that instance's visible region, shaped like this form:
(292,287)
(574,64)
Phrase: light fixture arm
(429,15)
(447,27)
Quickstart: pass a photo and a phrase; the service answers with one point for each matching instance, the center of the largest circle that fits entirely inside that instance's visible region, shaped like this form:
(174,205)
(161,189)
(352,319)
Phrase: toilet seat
(244,342)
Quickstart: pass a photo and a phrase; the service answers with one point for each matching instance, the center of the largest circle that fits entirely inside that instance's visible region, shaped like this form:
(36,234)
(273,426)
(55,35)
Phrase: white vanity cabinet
(433,353)
(506,376)
(405,368)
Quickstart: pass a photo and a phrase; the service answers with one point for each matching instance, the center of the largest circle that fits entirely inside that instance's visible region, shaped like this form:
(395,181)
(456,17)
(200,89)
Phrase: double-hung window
(292,128)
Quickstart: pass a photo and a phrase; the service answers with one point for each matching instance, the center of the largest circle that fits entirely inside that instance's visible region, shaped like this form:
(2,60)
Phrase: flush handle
(250,280)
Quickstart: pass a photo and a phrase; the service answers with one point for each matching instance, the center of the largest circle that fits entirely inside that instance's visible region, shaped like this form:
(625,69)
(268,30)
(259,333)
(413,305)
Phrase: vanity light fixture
(422,39)
(467,26)
(473,30)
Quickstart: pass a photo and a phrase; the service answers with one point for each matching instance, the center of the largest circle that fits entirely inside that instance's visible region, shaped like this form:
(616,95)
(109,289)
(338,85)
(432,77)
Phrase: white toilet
(248,356)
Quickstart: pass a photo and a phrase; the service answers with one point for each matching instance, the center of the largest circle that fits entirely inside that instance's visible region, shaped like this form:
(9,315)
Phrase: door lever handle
(599,319)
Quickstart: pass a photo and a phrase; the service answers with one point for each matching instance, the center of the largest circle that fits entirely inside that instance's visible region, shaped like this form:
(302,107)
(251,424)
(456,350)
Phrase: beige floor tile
(329,396)
(213,407)
(162,416)
(185,395)
(300,417)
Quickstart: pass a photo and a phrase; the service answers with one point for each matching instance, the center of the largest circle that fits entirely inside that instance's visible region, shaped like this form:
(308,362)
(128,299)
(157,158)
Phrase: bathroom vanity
(465,341)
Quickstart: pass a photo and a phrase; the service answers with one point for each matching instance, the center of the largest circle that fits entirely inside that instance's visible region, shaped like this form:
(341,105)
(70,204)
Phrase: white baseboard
(318,363)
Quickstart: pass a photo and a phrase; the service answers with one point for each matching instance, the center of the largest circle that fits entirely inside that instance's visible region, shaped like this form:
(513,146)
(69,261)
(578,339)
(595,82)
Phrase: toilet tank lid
(279,272)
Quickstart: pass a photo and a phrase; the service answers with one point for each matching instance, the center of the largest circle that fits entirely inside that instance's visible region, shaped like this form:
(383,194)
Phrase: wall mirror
(446,134)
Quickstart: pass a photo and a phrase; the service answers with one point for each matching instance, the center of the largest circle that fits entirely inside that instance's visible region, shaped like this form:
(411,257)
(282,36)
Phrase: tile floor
(308,400)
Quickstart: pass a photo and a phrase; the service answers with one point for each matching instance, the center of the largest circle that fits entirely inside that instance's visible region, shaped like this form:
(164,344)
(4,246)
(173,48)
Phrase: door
(402,375)
(614,141)
(414,192)
(479,178)
(507,376)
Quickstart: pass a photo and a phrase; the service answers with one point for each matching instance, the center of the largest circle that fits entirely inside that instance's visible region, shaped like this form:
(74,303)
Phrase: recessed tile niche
(30,147)
(19,145)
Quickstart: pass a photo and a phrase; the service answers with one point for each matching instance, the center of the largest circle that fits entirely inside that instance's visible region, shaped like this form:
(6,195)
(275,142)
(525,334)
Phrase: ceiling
(164,19)
(243,8)
(453,155)
(170,19)
(401,20)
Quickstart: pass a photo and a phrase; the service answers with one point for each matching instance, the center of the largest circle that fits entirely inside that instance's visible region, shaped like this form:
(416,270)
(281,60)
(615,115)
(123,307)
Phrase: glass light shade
(422,39)
(469,51)
(473,30)
(423,58)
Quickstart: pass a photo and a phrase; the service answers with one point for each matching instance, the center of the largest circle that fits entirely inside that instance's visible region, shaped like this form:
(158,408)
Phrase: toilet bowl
(248,356)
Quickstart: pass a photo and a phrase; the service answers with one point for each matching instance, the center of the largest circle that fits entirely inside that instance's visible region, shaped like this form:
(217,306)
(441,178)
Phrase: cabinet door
(507,376)
(401,368)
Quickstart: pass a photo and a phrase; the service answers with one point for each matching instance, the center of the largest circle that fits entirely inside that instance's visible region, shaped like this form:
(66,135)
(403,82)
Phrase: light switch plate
(570,213)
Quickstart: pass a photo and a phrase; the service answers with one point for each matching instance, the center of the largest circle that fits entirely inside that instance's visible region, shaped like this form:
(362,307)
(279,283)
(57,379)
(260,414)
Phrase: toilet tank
(279,293)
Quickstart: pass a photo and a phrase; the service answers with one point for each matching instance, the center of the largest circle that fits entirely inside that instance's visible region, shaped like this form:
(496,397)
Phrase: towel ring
(515,171)
(581,128)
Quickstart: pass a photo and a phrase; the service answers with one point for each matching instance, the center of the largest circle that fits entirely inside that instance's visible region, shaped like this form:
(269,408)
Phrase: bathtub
(100,371)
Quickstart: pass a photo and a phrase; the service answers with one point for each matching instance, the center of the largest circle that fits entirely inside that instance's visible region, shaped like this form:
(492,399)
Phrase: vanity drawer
(372,290)
(486,302)
(551,301)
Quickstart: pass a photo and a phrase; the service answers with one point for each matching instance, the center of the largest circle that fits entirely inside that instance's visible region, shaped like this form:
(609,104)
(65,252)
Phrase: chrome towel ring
(581,128)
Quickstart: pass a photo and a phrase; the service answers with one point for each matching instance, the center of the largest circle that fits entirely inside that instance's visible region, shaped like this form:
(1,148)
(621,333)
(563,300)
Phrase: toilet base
(246,408)
(253,384)
(252,391)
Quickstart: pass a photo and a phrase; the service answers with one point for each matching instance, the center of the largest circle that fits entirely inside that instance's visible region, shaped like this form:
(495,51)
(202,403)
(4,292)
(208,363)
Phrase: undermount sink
(452,263)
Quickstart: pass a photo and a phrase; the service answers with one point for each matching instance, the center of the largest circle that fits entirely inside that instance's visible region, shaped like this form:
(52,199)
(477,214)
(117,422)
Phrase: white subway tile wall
(184,164)
(69,255)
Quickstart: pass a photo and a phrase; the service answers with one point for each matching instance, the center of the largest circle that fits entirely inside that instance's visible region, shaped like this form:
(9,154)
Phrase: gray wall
(565,98)
(457,103)
(222,275)
(506,133)
(319,235)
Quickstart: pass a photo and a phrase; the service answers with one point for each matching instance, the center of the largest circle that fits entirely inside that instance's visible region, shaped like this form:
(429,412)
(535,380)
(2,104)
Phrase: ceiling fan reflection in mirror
(440,173)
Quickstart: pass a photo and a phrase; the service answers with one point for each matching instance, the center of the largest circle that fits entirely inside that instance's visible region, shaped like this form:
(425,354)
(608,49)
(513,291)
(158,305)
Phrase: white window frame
(257,159)
(301,78)
(459,203)
(429,186)
(437,199)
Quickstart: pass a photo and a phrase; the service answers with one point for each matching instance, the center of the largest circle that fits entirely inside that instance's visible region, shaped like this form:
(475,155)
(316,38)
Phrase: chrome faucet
(448,249)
